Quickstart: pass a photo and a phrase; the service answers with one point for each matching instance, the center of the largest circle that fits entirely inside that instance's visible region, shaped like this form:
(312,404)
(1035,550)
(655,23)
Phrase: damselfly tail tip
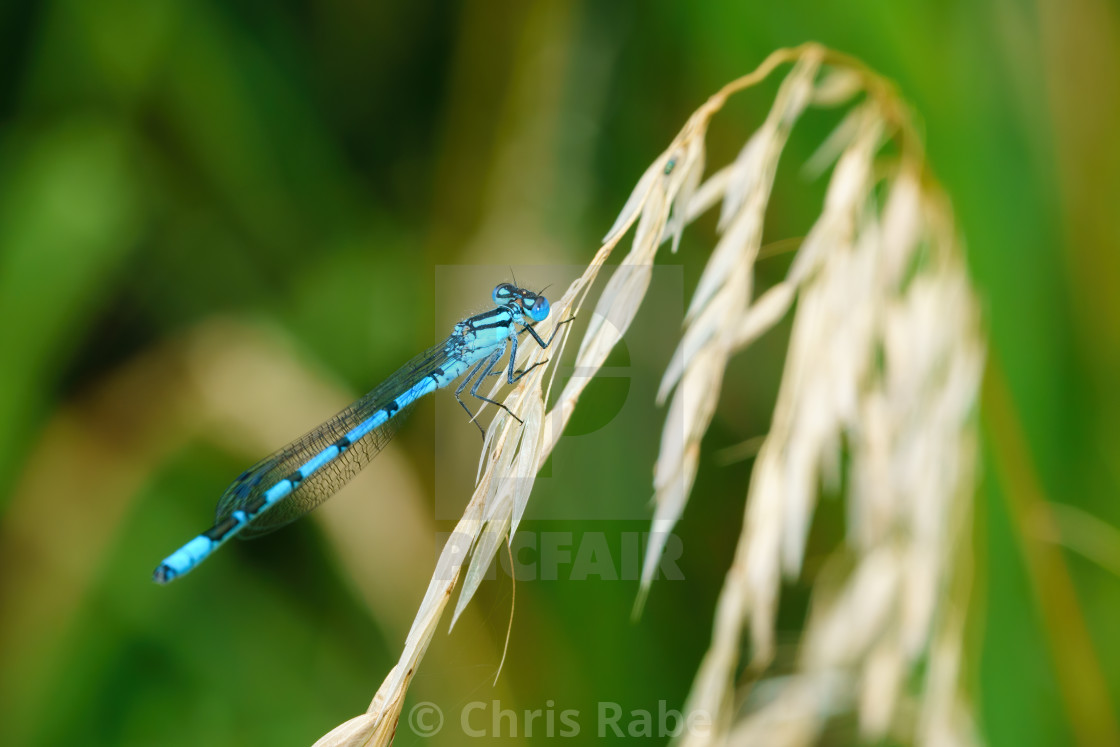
(164,574)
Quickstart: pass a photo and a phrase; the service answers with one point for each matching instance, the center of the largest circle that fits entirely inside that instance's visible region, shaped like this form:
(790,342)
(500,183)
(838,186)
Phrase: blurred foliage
(309,166)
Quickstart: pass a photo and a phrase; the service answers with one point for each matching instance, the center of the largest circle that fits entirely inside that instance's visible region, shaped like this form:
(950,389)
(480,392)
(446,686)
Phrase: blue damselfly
(292,481)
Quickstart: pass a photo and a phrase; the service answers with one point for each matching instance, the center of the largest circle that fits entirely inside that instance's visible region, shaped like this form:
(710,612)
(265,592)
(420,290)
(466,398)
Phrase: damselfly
(282,487)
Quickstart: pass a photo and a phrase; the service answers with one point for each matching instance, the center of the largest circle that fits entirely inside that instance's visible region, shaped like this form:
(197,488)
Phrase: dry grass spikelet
(877,401)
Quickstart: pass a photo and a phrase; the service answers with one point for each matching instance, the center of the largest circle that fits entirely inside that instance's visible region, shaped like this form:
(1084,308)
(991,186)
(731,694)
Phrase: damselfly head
(533,305)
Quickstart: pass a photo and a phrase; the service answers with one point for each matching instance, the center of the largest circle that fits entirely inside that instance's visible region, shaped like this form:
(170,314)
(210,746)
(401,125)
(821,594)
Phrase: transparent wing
(247,489)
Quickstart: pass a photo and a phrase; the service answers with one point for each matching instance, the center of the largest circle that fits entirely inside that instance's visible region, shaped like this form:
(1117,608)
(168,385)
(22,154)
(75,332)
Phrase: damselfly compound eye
(503,292)
(538,312)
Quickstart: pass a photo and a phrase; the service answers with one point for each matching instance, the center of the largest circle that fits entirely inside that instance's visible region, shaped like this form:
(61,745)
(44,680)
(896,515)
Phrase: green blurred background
(221,220)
